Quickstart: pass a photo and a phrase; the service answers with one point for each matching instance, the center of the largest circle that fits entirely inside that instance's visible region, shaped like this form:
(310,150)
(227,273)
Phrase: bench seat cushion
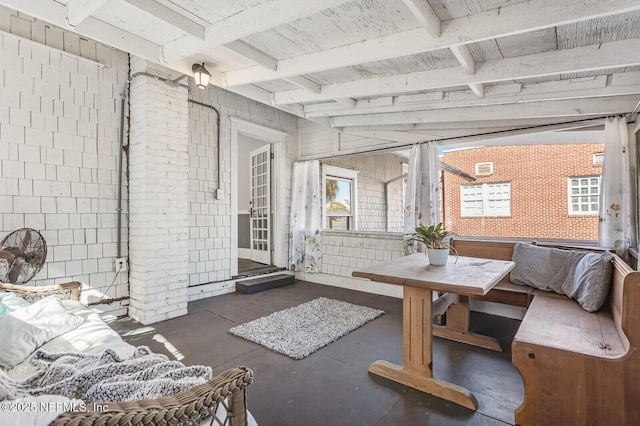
(561,323)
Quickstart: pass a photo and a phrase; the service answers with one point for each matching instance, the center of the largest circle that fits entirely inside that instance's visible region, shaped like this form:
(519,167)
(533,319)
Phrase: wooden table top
(468,276)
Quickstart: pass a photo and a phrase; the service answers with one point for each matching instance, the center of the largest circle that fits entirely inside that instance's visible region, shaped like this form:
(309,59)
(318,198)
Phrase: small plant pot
(438,257)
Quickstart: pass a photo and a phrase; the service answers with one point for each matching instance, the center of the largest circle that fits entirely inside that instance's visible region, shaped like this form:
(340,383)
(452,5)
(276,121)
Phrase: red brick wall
(538,176)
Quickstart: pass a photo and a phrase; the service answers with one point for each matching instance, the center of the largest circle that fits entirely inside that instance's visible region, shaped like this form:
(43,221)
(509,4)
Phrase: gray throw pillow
(591,281)
(544,268)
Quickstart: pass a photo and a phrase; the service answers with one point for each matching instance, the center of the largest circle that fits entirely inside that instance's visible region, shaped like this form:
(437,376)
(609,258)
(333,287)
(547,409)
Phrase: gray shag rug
(303,329)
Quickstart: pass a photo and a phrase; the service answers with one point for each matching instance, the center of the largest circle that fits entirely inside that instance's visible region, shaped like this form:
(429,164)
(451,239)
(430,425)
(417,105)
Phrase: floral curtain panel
(615,230)
(421,200)
(305,220)
(412,196)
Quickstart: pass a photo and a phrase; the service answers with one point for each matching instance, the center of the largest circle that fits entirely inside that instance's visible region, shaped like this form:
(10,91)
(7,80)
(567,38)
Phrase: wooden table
(467,277)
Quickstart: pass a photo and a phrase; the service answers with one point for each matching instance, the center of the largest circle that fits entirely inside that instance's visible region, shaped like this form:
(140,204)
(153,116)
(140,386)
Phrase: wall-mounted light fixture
(201,75)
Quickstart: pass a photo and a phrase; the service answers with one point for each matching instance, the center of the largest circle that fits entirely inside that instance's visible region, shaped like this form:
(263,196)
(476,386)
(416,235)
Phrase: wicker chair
(203,402)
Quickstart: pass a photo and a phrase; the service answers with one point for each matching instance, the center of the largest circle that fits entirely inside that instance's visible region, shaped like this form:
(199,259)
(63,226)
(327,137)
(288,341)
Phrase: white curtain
(421,200)
(305,220)
(615,188)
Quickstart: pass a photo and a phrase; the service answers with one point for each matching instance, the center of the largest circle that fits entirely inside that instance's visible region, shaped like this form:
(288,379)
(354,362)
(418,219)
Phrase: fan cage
(22,255)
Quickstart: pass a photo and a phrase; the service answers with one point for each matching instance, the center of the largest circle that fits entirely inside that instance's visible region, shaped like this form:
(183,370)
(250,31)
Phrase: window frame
(485,199)
(569,195)
(340,173)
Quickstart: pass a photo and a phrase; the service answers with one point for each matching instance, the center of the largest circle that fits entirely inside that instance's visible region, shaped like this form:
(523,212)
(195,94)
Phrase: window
(487,199)
(584,195)
(339,192)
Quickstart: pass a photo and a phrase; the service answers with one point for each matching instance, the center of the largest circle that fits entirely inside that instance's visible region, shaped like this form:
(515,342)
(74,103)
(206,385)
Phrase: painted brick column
(158,194)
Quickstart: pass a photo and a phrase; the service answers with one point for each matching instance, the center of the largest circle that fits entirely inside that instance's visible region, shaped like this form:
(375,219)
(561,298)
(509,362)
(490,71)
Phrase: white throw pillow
(25,330)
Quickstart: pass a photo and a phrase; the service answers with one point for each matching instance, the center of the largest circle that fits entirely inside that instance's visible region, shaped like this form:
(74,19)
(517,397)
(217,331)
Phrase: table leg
(417,368)
(457,327)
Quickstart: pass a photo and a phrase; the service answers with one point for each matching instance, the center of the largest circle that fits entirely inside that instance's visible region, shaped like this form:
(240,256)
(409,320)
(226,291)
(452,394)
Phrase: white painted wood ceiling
(401,70)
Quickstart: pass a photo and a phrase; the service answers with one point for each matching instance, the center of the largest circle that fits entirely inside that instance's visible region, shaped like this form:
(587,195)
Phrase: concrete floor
(333,386)
(247,267)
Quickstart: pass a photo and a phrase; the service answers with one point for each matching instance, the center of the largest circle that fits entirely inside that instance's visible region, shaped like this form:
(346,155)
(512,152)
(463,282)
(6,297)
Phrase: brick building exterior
(539,202)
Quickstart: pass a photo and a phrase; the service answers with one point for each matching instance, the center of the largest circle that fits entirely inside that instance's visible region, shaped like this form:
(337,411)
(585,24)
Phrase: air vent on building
(484,169)
(598,158)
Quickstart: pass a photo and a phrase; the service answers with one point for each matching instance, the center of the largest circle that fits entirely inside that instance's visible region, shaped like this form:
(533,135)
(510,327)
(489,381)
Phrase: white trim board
(209,290)
(277,139)
(357,284)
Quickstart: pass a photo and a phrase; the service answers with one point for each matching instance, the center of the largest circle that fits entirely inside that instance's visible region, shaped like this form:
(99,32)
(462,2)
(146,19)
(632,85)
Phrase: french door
(260,209)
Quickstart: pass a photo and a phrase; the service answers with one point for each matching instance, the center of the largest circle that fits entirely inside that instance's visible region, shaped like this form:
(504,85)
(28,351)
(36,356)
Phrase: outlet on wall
(120,264)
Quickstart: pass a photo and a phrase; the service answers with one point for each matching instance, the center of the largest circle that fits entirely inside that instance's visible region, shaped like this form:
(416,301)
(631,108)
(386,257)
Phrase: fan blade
(6,253)
(10,253)
(26,240)
(15,269)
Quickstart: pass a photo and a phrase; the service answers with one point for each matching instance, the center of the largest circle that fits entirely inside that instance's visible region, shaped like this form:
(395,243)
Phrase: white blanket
(105,377)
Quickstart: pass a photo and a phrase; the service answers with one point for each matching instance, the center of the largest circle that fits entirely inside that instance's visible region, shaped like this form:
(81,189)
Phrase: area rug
(299,331)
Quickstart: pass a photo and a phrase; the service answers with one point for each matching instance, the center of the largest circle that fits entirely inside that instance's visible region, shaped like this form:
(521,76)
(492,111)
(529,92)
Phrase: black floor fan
(22,255)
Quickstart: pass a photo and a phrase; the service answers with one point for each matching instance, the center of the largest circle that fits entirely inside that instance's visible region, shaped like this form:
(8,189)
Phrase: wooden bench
(505,292)
(577,367)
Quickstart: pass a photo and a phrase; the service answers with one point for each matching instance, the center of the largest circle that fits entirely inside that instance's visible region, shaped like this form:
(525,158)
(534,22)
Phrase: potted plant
(436,240)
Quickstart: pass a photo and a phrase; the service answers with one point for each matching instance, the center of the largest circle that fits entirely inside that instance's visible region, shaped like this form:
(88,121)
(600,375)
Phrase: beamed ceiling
(400,70)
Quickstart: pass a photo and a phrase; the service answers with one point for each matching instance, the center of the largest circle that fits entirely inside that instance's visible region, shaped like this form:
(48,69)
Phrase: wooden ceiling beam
(463,55)
(547,109)
(77,11)
(251,20)
(266,61)
(505,21)
(396,136)
(264,96)
(424,13)
(251,92)
(556,90)
(56,14)
(431,22)
(481,126)
(253,54)
(169,16)
(304,83)
(616,54)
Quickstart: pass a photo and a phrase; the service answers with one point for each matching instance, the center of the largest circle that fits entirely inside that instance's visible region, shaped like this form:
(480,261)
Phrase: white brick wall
(59,128)
(210,219)
(158,172)
(344,252)
(59,119)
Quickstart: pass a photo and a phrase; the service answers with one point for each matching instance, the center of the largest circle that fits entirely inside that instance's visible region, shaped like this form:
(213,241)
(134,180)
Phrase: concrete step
(255,285)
